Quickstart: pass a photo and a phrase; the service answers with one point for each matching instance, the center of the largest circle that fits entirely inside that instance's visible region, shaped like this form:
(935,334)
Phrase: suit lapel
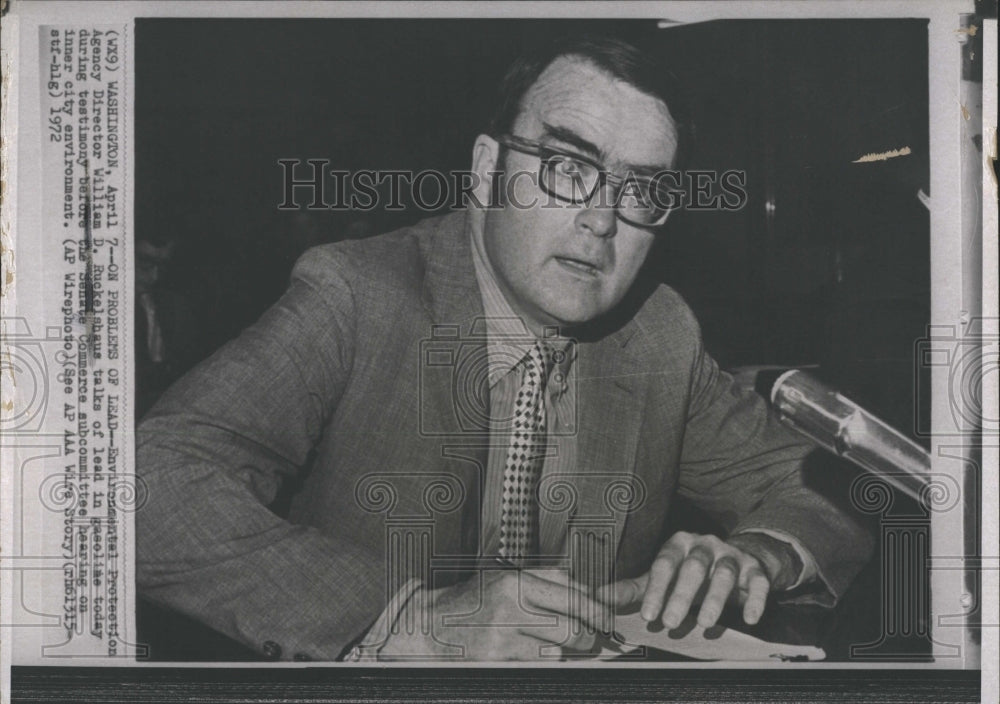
(454,405)
(609,403)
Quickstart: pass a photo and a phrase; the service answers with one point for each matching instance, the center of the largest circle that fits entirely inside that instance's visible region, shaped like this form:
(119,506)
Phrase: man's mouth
(579,266)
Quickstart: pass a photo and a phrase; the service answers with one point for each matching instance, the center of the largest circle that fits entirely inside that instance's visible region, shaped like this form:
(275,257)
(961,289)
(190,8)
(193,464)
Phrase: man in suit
(487,417)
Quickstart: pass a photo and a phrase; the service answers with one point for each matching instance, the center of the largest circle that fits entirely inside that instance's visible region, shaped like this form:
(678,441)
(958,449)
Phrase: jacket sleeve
(746,470)
(213,453)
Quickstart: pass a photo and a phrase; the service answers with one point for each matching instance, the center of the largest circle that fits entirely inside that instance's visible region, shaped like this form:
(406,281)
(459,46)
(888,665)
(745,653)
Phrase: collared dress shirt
(507,342)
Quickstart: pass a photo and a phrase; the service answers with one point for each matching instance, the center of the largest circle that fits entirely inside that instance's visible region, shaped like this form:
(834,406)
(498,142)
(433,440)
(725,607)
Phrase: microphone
(849,431)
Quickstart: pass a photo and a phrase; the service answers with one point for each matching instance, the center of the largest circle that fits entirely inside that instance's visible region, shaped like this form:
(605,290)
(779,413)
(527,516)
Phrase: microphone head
(843,427)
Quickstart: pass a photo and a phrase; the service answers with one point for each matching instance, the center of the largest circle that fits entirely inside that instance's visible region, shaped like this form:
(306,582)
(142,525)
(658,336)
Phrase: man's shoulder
(395,260)
(664,311)
(664,324)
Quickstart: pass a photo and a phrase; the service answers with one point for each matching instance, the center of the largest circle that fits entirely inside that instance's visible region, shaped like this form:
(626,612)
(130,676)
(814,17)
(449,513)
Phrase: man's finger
(724,578)
(623,593)
(661,574)
(758,587)
(689,580)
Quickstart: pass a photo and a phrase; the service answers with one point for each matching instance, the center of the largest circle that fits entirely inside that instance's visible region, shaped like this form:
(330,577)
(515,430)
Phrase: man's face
(568,264)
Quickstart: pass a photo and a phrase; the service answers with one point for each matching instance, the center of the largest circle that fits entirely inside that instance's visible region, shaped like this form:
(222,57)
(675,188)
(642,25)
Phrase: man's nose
(598,215)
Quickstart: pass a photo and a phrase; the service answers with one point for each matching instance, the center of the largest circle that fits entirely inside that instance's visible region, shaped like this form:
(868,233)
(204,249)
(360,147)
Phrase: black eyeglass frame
(605,177)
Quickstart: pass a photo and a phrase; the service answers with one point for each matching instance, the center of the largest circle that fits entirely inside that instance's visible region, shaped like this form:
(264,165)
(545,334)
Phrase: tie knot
(539,359)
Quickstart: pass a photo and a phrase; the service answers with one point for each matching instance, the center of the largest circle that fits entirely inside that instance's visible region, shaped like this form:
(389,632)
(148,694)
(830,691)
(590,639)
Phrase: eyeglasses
(575,179)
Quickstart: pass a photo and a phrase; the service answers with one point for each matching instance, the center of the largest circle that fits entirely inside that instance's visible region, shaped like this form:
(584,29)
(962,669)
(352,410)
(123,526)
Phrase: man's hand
(505,614)
(746,567)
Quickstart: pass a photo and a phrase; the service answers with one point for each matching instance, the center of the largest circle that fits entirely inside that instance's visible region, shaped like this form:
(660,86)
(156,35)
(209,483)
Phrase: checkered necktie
(519,513)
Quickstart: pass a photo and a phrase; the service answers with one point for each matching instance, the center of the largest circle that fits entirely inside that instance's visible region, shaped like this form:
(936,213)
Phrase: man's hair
(615,57)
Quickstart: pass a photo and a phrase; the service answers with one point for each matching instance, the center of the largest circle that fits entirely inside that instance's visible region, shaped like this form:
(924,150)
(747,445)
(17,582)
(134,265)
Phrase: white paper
(693,641)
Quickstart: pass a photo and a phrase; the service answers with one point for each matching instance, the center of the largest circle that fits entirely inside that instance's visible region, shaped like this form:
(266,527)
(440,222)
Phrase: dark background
(834,275)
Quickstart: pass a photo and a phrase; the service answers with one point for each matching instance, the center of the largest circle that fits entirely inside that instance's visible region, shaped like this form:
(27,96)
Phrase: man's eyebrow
(564,134)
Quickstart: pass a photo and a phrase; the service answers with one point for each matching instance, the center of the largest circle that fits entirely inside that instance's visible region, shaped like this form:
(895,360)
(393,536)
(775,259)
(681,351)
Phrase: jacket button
(272,651)
(301,657)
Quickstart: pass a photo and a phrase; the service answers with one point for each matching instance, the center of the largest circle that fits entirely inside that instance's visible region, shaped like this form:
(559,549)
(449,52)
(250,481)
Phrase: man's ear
(485,153)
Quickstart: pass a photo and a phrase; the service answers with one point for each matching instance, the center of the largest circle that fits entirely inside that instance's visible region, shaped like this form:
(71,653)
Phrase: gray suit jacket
(360,388)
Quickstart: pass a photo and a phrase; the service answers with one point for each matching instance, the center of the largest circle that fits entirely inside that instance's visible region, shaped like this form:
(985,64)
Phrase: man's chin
(567,320)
